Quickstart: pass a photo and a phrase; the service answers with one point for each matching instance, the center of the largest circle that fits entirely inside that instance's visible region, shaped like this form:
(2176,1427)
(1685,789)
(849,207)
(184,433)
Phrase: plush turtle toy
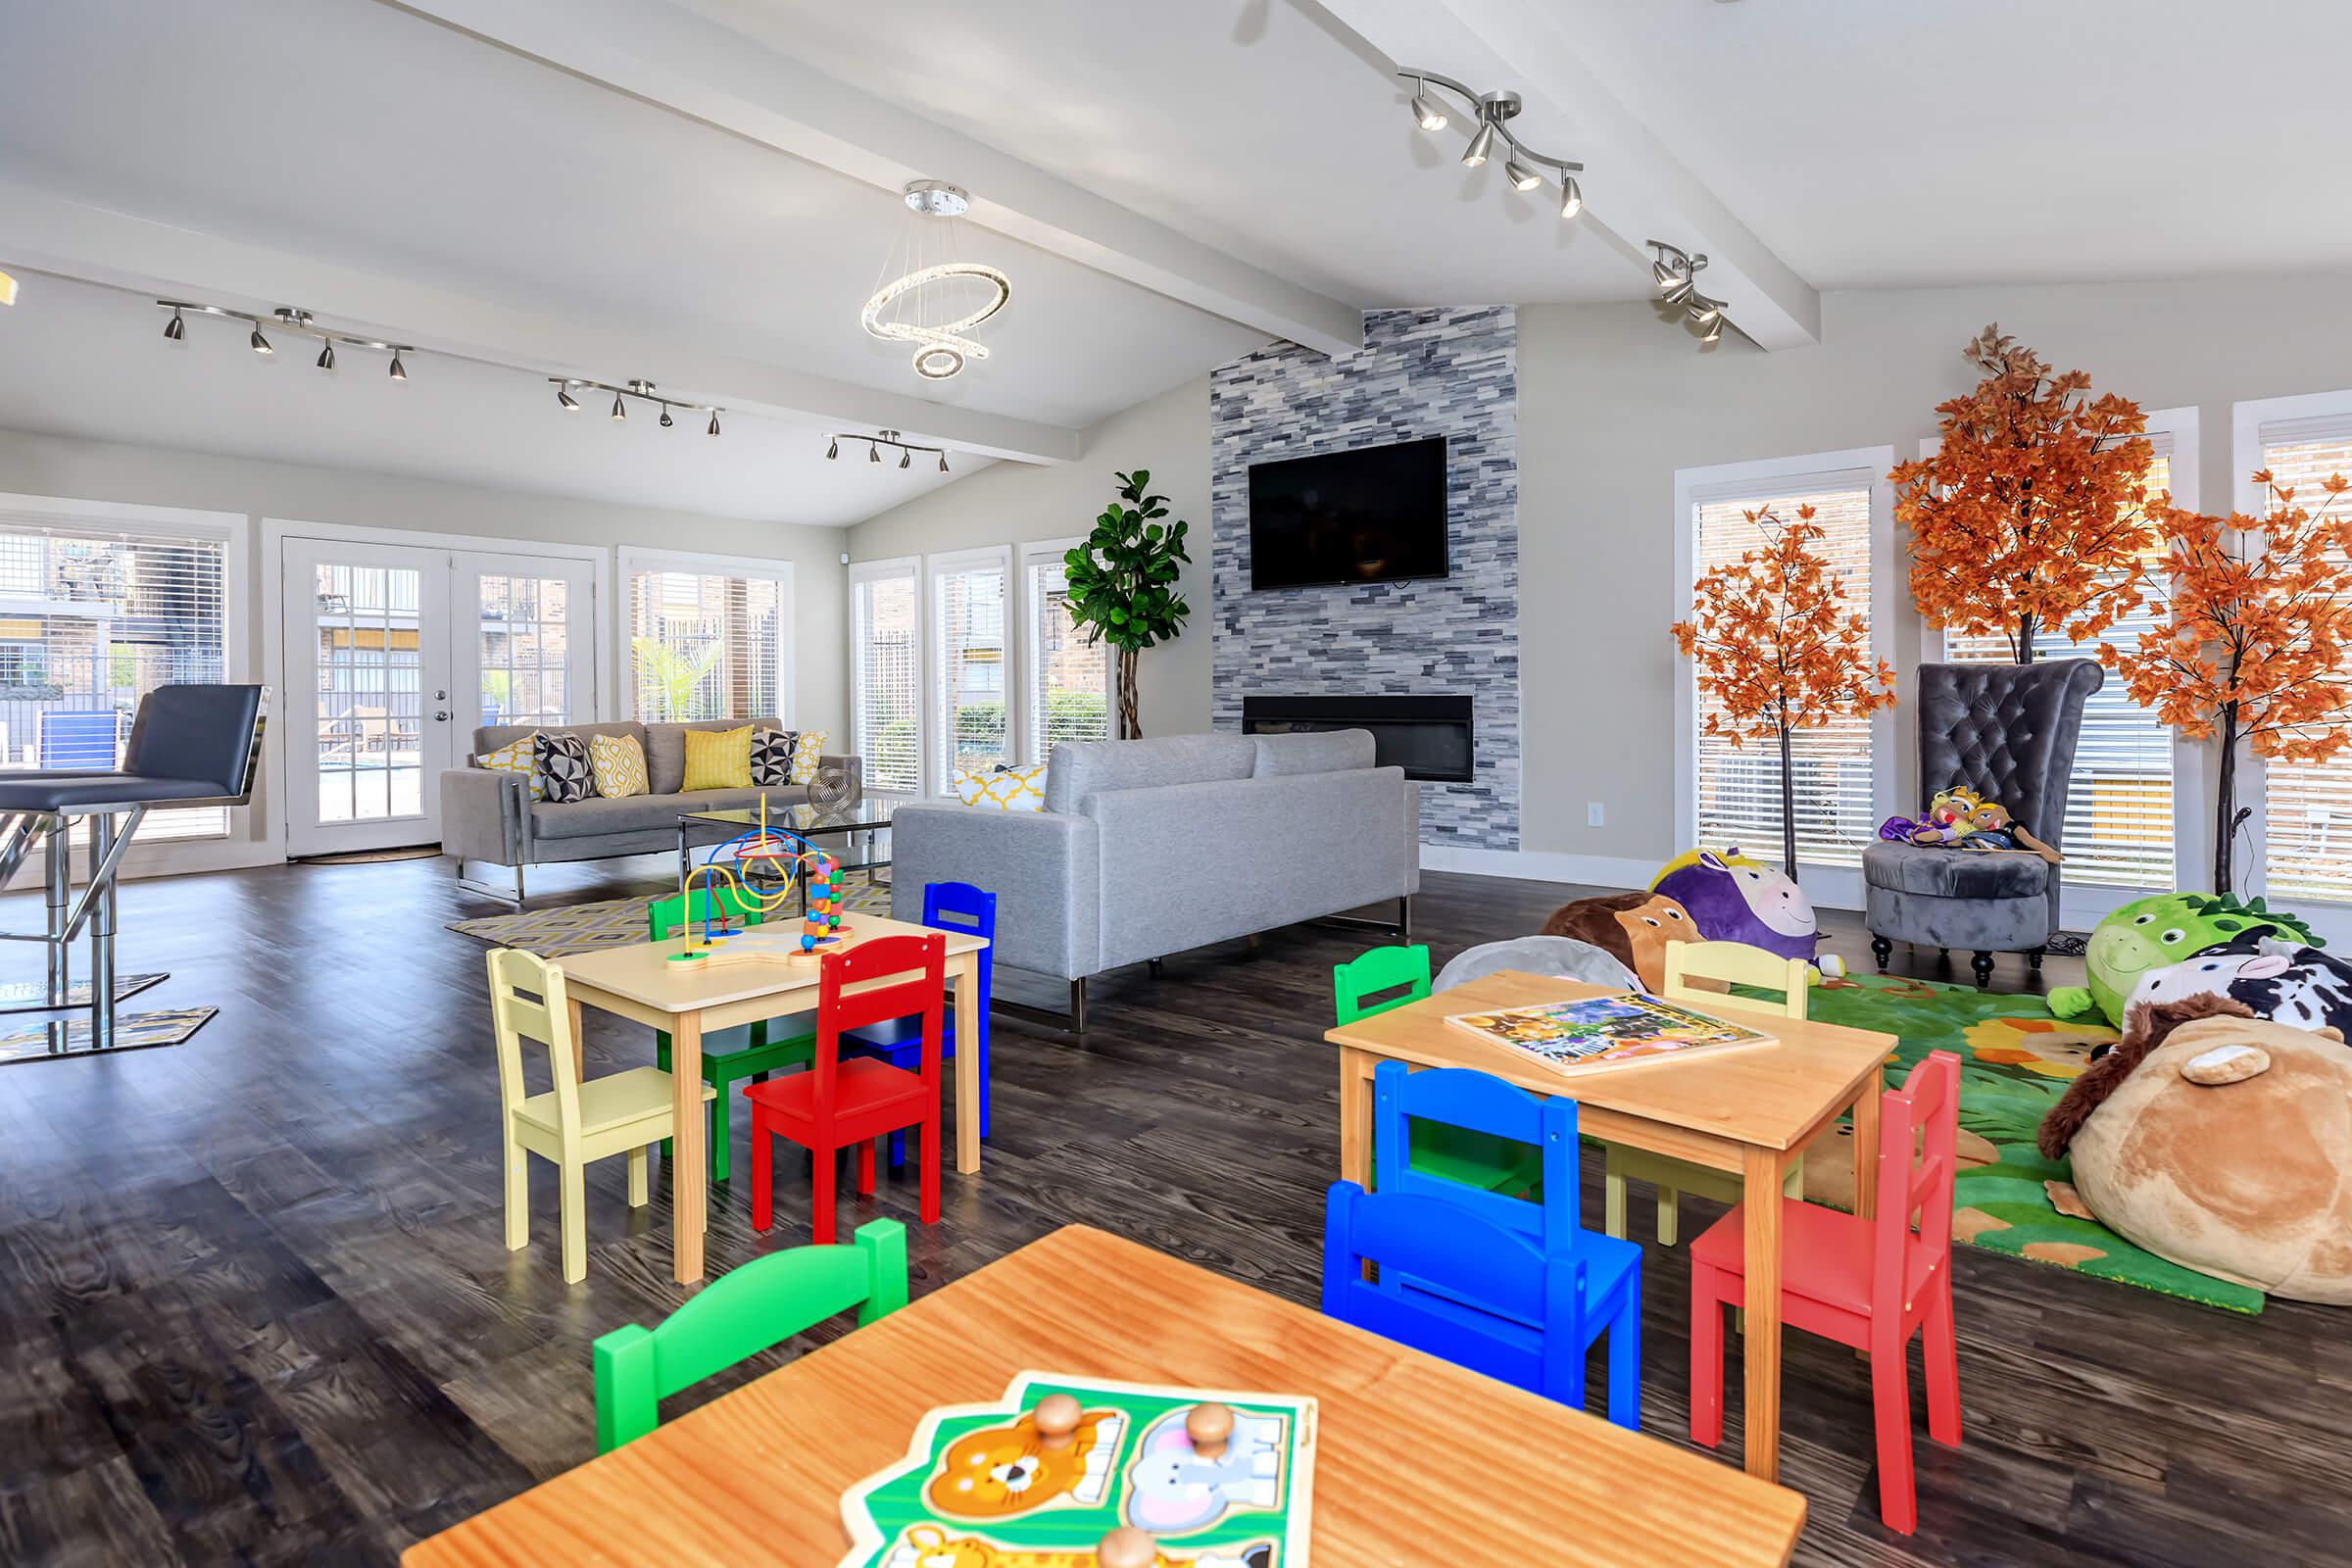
(2153,933)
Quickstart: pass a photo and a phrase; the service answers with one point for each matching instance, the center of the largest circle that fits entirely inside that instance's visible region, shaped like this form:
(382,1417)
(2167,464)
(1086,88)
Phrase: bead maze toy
(1069,1472)
(794,863)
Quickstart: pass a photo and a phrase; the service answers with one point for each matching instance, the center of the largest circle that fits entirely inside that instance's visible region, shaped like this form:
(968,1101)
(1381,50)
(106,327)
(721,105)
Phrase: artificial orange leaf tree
(2253,625)
(2030,514)
(1777,650)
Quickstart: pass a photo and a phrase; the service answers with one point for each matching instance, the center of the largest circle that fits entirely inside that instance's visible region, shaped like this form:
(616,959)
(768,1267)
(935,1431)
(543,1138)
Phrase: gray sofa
(488,814)
(1147,848)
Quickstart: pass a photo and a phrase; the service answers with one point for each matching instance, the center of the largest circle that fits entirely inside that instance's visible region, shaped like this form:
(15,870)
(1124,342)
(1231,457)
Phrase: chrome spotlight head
(1572,197)
(1479,145)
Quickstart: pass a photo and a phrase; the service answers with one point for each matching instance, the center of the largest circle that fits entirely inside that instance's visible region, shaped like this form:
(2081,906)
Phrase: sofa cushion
(771,755)
(1955,873)
(665,748)
(1080,768)
(1326,752)
(717,759)
(490,737)
(559,771)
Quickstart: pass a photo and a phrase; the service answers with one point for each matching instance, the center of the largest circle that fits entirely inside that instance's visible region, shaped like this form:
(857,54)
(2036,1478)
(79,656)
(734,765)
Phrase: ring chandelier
(877,441)
(286,319)
(1493,113)
(1676,272)
(901,310)
(637,388)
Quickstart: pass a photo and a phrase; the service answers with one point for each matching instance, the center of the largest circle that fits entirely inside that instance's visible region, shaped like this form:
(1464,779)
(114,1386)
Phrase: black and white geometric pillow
(559,767)
(771,756)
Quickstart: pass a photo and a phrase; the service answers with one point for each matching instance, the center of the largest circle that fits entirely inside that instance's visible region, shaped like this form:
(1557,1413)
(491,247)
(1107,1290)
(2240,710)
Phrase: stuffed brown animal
(2219,1141)
(1633,928)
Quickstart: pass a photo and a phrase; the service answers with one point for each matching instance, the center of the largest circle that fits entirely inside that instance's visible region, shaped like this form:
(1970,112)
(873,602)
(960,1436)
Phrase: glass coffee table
(862,826)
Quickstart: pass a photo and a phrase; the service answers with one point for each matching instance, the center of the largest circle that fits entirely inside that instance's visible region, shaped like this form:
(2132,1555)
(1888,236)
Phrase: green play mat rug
(2016,1059)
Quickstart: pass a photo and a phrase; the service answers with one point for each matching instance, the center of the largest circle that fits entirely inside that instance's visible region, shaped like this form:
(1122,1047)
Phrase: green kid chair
(721,1066)
(738,1315)
(1455,1154)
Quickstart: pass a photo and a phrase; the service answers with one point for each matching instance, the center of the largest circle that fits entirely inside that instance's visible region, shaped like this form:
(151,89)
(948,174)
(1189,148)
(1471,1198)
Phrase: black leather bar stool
(190,746)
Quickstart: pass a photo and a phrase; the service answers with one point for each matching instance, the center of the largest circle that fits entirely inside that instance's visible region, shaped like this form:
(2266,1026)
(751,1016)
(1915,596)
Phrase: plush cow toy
(2304,989)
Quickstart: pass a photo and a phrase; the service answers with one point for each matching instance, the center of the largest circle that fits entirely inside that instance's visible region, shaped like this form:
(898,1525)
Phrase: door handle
(442,716)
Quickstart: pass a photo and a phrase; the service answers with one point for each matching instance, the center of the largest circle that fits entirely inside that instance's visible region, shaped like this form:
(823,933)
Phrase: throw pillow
(771,756)
(560,769)
(1007,789)
(807,747)
(516,756)
(618,764)
(718,759)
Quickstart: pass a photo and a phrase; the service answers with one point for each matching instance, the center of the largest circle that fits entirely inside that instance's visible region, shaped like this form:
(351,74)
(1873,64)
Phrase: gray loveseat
(488,814)
(1147,848)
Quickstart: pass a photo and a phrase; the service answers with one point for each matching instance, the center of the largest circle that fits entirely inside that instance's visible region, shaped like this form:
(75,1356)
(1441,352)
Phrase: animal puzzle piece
(1056,1450)
(929,1546)
(1195,1464)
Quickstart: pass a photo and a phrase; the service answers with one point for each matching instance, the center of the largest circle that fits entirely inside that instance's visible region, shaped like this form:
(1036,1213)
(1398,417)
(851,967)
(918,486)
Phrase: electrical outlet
(1592,814)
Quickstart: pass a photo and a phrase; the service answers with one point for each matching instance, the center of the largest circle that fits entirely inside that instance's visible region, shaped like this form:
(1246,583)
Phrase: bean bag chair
(2156,932)
(1564,957)
(1633,928)
(2219,1141)
(1733,899)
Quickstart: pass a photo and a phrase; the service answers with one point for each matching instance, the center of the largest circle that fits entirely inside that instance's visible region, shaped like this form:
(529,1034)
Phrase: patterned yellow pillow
(617,762)
(516,756)
(1007,789)
(718,759)
(804,754)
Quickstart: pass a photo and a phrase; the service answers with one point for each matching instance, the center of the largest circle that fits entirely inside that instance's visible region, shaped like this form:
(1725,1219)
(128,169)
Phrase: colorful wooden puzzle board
(978,1489)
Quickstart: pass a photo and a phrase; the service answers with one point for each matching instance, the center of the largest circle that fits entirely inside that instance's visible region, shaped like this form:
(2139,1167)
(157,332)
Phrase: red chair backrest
(919,967)
(1919,1134)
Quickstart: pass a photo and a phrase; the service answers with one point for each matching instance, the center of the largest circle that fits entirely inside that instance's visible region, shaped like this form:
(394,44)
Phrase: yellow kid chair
(574,1122)
(1697,972)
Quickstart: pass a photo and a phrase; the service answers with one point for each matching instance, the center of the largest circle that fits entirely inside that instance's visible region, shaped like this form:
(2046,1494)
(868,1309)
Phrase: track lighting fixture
(638,389)
(1523,167)
(1675,273)
(885,438)
(285,319)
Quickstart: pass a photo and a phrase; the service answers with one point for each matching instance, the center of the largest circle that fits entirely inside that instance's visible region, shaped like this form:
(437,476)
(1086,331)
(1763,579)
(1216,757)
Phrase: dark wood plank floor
(255,1305)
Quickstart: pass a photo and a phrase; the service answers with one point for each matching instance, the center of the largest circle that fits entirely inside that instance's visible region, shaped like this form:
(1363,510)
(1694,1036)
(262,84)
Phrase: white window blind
(89,623)
(2307,810)
(968,663)
(2119,803)
(706,644)
(1739,787)
(887,700)
(1069,676)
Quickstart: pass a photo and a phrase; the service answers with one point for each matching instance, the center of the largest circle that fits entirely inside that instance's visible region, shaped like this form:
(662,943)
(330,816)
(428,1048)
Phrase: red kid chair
(841,1101)
(1863,1283)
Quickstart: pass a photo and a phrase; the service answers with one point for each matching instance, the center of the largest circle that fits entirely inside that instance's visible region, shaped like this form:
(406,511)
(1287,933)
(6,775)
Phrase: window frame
(1854,468)
(2328,917)
(892,568)
(2082,906)
(939,764)
(634,558)
(1032,744)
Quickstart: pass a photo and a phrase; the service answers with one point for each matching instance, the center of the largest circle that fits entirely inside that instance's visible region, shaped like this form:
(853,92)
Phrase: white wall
(1014,504)
(96,471)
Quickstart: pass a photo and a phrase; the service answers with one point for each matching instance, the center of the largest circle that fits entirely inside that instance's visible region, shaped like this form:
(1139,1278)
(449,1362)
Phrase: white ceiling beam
(47,233)
(682,61)
(1635,187)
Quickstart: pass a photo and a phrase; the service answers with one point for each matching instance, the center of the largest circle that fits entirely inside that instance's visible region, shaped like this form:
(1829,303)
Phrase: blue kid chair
(1514,1289)
(946,906)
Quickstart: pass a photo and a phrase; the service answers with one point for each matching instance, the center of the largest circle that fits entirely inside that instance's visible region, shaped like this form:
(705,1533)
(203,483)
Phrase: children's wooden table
(642,984)
(1747,1112)
(1417,1460)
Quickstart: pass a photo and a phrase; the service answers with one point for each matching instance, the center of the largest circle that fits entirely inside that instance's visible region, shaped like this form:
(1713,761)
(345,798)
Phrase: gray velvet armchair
(2008,731)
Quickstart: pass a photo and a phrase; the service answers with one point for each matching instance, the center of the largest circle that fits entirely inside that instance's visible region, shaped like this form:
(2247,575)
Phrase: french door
(394,653)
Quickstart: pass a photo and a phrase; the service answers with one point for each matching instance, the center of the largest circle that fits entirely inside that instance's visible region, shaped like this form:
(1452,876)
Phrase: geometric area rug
(577,928)
(2015,1059)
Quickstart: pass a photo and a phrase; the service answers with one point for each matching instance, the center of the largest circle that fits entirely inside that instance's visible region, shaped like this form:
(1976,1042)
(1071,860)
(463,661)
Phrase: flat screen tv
(1374,514)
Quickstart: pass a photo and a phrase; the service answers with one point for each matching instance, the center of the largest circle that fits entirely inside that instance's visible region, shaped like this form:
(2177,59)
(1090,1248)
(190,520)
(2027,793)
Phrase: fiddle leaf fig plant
(1123,583)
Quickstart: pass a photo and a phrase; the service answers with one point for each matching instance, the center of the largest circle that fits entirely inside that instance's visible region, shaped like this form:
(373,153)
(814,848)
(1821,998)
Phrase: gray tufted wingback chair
(2009,732)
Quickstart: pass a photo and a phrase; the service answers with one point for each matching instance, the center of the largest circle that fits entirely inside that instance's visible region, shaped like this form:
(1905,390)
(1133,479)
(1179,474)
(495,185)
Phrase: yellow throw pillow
(1009,789)
(804,754)
(516,756)
(618,764)
(718,759)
